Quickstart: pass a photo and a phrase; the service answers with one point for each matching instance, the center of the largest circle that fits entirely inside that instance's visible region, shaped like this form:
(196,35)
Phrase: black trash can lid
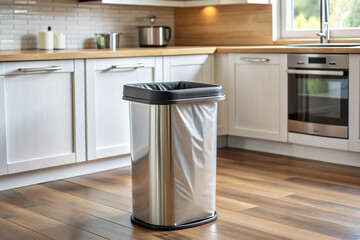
(165,93)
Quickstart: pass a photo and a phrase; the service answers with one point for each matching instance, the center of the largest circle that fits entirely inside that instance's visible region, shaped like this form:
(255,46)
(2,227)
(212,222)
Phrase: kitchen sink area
(325,45)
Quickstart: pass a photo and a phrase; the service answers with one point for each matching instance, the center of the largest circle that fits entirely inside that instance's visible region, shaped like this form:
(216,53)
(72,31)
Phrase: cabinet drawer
(36,67)
(257,58)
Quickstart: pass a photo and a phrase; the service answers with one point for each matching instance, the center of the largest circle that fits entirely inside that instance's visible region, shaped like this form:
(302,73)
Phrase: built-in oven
(318,94)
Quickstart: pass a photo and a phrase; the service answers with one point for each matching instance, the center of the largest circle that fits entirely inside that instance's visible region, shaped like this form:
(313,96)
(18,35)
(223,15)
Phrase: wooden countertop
(32,55)
(285,49)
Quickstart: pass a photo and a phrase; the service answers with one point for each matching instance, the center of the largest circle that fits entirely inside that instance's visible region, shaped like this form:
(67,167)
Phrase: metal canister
(108,40)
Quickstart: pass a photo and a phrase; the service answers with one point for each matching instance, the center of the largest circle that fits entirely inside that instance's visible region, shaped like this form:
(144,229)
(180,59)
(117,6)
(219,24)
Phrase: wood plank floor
(259,196)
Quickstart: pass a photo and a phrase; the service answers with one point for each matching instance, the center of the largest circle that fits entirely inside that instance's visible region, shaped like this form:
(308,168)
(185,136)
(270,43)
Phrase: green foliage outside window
(343,14)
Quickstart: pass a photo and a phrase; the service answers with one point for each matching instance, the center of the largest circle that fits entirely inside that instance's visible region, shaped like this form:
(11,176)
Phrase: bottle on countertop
(46,39)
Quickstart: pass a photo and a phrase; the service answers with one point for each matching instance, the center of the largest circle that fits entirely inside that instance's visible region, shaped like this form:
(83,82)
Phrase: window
(301,18)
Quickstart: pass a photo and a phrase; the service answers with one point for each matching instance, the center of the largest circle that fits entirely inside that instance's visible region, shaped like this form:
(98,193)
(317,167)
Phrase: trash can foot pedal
(177,227)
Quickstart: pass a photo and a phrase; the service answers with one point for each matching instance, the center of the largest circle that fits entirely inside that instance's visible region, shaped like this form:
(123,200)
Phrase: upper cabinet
(181,3)
(41,114)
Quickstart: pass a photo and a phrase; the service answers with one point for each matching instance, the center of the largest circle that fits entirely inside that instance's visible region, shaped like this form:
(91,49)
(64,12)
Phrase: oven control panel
(318,61)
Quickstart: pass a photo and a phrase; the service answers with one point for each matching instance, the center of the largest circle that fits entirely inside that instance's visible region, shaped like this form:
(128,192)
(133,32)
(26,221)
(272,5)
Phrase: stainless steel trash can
(173,152)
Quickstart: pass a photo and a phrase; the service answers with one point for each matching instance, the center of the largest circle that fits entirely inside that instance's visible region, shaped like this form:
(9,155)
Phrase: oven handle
(315,72)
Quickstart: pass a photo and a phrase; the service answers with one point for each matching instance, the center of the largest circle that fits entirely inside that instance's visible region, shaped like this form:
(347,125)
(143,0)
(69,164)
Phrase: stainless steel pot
(154,36)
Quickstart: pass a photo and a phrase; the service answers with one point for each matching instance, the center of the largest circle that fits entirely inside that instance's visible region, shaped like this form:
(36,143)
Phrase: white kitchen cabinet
(182,3)
(107,115)
(221,78)
(41,114)
(198,68)
(258,96)
(354,103)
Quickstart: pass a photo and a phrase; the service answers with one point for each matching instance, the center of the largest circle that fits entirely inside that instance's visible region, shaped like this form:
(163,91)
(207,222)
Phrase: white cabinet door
(354,103)
(198,68)
(108,130)
(258,96)
(41,115)
(222,78)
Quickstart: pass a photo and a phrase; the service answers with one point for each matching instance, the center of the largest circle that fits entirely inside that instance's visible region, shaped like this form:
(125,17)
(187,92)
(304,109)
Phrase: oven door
(318,102)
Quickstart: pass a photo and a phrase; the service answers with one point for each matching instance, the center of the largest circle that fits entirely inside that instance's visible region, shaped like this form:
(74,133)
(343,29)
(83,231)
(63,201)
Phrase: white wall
(21,20)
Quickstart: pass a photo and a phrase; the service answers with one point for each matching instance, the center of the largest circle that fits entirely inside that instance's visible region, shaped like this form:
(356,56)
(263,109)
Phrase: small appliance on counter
(154,36)
(108,40)
(46,40)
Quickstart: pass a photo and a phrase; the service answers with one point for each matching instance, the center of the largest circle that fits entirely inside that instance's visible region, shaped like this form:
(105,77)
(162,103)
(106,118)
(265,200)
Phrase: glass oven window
(318,99)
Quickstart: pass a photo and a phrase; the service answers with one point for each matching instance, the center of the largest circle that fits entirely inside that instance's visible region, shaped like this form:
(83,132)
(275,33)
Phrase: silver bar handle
(138,65)
(316,72)
(41,69)
(255,59)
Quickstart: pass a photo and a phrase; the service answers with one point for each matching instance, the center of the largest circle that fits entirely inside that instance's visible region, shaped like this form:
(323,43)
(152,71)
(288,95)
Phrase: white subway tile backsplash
(71,18)
(79,9)
(46,17)
(6,11)
(46,9)
(6,26)
(111,10)
(27,17)
(60,9)
(20,11)
(6,37)
(34,22)
(26,27)
(21,20)
(6,2)
(7,41)
(22,2)
(13,32)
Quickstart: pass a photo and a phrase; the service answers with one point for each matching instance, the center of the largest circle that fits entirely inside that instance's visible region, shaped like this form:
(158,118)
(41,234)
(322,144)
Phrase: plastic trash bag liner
(194,155)
(173,149)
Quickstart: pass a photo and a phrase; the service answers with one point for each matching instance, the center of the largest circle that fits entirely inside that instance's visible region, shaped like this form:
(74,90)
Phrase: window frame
(285,9)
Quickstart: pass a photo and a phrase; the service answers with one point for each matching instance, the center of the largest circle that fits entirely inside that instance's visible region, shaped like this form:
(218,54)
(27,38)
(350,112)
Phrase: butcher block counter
(31,55)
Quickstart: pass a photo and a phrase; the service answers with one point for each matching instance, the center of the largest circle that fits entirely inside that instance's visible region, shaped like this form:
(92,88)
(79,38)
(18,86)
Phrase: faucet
(324,33)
